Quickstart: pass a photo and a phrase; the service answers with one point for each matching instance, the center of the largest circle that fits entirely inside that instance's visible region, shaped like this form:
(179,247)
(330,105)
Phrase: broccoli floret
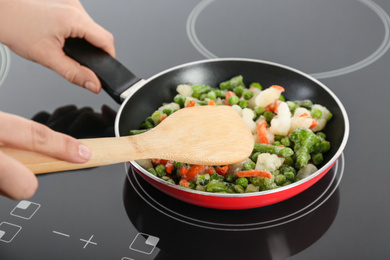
(305,143)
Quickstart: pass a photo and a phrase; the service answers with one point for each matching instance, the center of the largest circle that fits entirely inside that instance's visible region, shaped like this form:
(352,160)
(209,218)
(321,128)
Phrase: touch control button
(25,209)
(8,231)
(144,243)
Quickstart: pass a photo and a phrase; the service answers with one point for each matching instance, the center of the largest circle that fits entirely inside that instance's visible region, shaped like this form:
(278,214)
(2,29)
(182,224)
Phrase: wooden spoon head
(205,135)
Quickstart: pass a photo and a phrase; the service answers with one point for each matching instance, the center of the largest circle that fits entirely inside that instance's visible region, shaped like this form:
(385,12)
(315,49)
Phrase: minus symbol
(61,234)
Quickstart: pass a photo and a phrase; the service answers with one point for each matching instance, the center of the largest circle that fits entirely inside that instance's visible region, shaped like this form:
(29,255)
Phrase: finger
(71,70)
(16,181)
(21,133)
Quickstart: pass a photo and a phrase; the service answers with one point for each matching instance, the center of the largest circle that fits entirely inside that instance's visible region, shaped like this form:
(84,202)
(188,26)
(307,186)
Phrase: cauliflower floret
(268,162)
(325,117)
(306,170)
(280,124)
(252,101)
(268,96)
(184,90)
(298,121)
(238,109)
(247,116)
(173,106)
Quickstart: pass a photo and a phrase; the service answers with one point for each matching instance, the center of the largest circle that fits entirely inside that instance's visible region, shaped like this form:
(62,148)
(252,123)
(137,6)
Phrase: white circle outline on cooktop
(236,227)
(383,48)
(5,62)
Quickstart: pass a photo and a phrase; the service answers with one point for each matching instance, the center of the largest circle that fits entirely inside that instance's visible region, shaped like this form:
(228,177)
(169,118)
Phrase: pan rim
(325,167)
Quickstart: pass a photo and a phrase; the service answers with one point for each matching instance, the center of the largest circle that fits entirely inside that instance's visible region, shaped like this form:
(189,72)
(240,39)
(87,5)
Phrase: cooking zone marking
(299,213)
(4,62)
(378,53)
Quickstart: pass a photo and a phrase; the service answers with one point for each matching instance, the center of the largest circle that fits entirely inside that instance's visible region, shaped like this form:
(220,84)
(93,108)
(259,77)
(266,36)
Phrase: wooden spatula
(206,135)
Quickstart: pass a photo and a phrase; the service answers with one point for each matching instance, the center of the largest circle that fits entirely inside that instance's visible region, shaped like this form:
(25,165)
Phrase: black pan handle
(115,77)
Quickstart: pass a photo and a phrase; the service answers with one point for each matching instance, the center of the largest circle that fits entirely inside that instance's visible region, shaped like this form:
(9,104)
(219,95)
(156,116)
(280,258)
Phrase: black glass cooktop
(111,213)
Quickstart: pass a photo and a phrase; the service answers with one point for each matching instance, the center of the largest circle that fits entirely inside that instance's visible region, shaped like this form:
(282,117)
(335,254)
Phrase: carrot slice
(184,182)
(254,173)
(159,161)
(191,103)
(193,171)
(274,106)
(280,88)
(314,121)
(227,96)
(163,116)
(222,170)
(169,167)
(262,132)
(183,171)
(210,170)
(211,102)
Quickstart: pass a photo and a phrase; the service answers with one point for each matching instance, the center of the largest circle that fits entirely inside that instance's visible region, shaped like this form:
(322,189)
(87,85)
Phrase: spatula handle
(105,151)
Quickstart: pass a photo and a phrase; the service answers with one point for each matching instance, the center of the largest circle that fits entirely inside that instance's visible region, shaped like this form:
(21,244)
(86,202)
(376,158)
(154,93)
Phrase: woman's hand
(18,182)
(37,29)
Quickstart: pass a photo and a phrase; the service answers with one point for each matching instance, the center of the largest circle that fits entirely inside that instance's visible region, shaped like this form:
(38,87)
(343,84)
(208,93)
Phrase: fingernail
(91,86)
(84,152)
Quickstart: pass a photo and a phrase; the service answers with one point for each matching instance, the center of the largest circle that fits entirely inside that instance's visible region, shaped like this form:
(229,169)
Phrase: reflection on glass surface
(273,232)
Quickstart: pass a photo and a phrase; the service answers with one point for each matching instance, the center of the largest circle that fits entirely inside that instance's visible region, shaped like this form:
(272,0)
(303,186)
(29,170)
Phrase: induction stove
(110,212)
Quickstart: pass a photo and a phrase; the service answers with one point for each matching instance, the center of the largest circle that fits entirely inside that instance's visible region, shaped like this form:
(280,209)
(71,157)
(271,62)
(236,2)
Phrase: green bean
(200,89)
(217,186)
(137,132)
(148,124)
(254,156)
(238,189)
(232,83)
(252,188)
(268,148)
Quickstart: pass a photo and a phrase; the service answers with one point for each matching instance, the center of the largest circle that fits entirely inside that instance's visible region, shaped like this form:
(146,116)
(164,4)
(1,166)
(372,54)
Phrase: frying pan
(139,98)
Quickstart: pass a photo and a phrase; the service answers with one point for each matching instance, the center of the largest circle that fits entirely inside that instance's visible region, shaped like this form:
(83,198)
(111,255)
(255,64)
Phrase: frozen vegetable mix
(289,142)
